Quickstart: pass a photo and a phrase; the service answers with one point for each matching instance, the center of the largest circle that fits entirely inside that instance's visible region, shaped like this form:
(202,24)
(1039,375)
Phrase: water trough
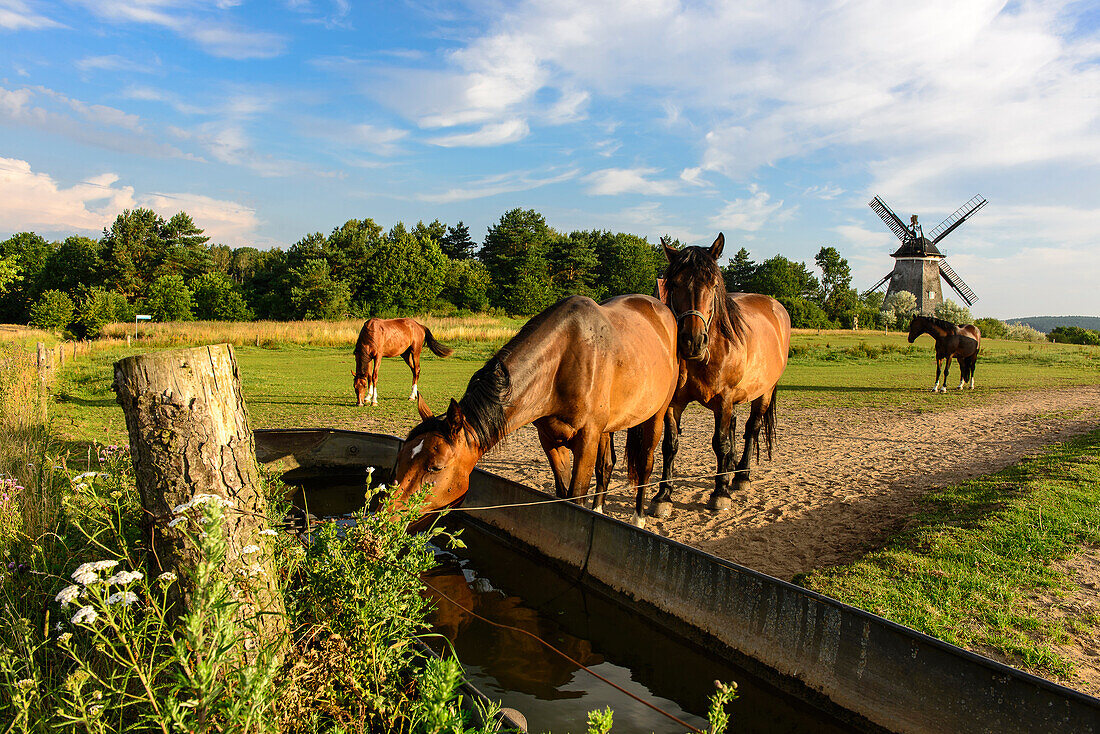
(854,666)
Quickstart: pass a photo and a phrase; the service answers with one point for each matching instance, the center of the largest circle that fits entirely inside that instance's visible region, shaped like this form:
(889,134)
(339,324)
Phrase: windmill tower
(918,263)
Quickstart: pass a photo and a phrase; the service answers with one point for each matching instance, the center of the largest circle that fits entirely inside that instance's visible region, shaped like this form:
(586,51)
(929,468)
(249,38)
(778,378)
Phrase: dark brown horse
(733,349)
(961,341)
(390,338)
(578,371)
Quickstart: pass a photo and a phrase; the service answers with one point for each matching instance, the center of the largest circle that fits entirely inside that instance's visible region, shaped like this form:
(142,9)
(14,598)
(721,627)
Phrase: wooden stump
(189,435)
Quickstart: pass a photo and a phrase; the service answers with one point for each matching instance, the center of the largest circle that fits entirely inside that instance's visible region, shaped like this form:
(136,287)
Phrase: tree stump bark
(189,435)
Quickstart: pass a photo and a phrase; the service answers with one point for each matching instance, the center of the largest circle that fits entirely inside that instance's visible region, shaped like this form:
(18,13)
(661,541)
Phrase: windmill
(918,264)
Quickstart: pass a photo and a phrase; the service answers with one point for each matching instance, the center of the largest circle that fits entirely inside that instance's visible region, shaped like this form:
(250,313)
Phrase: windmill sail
(959,216)
(957,283)
(892,220)
(878,285)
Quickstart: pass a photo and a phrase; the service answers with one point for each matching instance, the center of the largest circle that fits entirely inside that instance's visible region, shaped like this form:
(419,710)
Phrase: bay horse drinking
(390,338)
(578,371)
(961,341)
(733,349)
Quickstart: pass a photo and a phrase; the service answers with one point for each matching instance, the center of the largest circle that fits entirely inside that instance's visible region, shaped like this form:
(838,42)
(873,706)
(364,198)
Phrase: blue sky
(774,122)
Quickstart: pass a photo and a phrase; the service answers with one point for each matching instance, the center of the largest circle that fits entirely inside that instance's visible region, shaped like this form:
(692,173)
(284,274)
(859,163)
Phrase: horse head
(696,294)
(359,384)
(917,326)
(440,453)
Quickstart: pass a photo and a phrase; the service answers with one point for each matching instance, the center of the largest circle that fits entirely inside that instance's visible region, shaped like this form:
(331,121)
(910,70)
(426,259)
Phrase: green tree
(839,301)
(948,310)
(185,248)
(27,254)
(1074,335)
(784,279)
(53,311)
(992,328)
(216,298)
(627,264)
(515,255)
(170,299)
(267,289)
(456,244)
(78,261)
(95,308)
(133,250)
(573,264)
(738,274)
(467,285)
(805,314)
(315,295)
(9,273)
(899,309)
(870,311)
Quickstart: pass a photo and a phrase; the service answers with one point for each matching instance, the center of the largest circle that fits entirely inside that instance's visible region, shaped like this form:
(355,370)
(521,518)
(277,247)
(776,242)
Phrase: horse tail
(769,424)
(438,348)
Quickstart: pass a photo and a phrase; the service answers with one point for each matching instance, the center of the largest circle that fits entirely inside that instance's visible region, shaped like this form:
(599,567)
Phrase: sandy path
(841,481)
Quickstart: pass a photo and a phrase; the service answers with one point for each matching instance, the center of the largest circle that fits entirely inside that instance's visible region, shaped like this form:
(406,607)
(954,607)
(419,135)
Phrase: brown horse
(390,338)
(961,341)
(578,371)
(733,349)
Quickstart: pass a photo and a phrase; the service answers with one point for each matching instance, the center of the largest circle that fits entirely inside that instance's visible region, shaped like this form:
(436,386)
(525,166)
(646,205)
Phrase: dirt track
(840,481)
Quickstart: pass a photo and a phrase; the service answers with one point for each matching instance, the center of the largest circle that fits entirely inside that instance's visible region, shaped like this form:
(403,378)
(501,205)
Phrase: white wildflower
(25,685)
(125,598)
(269,531)
(176,521)
(125,577)
(250,549)
(65,637)
(85,578)
(85,475)
(167,577)
(85,615)
(180,509)
(104,565)
(67,595)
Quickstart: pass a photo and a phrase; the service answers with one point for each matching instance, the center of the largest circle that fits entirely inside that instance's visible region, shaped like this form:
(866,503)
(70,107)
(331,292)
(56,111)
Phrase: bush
(805,314)
(992,328)
(899,309)
(53,311)
(98,307)
(467,285)
(948,310)
(170,299)
(1024,333)
(216,298)
(1074,335)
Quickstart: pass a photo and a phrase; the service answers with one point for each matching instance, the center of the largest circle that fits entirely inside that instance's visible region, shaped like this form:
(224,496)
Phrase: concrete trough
(877,675)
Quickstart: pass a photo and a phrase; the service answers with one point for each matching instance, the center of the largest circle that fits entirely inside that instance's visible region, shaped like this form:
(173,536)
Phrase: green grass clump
(964,567)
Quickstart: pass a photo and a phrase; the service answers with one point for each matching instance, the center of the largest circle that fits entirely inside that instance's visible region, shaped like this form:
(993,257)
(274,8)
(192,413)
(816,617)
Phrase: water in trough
(501,583)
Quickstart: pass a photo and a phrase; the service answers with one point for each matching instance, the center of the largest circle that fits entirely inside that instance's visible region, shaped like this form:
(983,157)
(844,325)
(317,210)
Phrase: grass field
(298,385)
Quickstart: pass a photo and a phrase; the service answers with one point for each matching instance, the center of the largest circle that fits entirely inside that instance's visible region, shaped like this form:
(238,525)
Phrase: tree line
(144,263)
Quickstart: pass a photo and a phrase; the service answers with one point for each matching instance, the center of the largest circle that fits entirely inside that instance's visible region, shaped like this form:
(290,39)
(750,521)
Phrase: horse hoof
(598,509)
(741,485)
(719,502)
(637,521)
(374,402)
(660,509)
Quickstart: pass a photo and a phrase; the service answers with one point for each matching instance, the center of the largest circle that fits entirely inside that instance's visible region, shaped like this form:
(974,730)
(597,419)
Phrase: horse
(579,371)
(733,349)
(962,341)
(389,338)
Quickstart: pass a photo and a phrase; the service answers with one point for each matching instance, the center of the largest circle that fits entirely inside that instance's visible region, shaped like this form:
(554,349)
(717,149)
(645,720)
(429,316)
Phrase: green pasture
(304,386)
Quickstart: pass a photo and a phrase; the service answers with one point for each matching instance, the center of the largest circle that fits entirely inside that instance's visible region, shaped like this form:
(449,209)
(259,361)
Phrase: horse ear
(670,251)
(422,408)
(716,248)
(455,419)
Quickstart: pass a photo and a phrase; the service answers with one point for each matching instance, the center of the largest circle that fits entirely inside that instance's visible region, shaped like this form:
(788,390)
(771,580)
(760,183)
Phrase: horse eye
(436,469)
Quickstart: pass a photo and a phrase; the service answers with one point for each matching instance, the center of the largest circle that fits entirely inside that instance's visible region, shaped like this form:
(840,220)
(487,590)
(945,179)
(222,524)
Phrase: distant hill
(1046,323)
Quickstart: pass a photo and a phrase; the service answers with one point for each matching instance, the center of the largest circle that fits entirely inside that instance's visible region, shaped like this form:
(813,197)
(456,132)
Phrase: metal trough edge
(886,674)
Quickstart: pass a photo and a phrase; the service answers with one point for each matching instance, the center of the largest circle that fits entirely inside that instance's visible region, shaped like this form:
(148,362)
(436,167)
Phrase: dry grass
(476,328)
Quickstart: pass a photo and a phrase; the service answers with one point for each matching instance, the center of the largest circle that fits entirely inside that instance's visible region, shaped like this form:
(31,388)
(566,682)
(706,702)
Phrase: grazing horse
(390,338)
(961,341)
(578,371)
(733,349)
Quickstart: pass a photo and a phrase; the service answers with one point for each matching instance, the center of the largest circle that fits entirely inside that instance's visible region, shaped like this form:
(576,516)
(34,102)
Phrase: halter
(706,321)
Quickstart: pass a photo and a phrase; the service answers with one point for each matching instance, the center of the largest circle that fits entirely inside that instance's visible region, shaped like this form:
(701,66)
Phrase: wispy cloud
(35,201)
(615,181)
(506,183)
(500,133)
(18,15)
(115,62)
(751,213)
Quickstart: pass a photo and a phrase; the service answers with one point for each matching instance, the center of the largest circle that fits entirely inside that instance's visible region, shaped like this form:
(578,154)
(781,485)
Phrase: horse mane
(950,325)
(360,351)
(702,270)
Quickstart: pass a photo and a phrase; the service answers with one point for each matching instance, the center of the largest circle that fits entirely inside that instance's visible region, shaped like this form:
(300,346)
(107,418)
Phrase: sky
(771,121)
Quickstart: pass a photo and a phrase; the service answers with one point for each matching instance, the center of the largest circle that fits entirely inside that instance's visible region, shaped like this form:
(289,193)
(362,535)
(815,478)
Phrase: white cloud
(615,181)
(750,214)
(36,201)
(506,183)
(500,133)
(17,15)
(115,62)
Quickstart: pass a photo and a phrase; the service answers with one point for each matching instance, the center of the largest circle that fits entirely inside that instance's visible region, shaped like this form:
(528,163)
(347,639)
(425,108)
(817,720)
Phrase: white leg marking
(598,509)
(638,521)
(414,393)
(961,383)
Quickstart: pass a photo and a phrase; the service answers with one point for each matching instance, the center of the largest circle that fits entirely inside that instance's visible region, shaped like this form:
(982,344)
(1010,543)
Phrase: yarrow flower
(125,577)
(173,523)
(67,595)
(125,598)
(269,531)
(85,615)
(88,573)
(65,637)
(25,685)
(250,549)
(167,577)
(201,499)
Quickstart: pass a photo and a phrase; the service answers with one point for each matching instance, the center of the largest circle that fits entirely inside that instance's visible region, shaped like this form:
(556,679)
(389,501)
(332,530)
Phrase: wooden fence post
(189,435)
(43,365)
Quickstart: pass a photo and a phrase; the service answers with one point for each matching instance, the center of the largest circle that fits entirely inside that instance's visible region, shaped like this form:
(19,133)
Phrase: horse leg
(973,365)
(375,369)
(558,457)
(964,372)
(412,359)
(662,501)
(605,464)
(585,446)
(946,369)
(722,442)
(641,443)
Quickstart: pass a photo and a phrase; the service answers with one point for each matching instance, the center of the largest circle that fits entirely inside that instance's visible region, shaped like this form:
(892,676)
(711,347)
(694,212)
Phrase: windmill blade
(957,283)
(878,285)
(892,220)
(959,216)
